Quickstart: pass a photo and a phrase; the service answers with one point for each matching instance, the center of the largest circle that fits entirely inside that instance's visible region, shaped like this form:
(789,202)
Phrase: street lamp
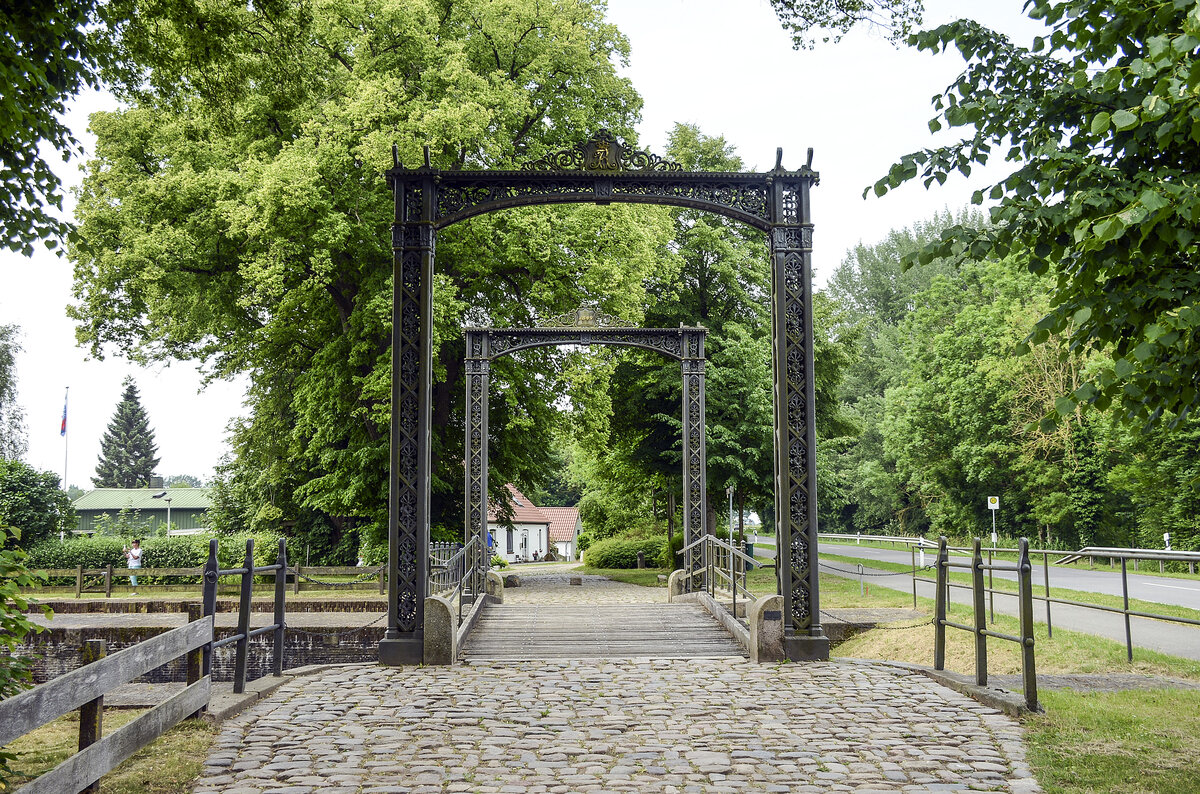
(167,499)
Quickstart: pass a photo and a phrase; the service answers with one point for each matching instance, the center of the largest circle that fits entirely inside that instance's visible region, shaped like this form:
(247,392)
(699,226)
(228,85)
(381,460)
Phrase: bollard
(641,560)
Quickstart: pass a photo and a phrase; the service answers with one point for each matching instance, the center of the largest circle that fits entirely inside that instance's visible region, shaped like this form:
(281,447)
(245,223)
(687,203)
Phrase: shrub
(16,671)
(622,552)
(177,551)
(499,562)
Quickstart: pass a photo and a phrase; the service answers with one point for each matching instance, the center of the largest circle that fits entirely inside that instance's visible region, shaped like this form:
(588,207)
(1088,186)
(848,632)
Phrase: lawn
(167,766)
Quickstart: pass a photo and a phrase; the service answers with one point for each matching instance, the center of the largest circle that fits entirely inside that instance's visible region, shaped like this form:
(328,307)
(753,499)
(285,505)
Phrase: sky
(724,65)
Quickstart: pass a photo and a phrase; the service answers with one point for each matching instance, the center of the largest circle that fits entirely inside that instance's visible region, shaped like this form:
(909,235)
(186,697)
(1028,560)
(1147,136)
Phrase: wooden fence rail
(84,689)
(308,573)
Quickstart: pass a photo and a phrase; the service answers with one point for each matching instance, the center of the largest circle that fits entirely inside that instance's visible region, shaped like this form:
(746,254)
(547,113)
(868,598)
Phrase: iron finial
(810,156)
(428,163)
(395,155)
(779,158)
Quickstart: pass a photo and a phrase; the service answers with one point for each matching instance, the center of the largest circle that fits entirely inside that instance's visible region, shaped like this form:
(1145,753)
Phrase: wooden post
(91,714)
(79,581)
(108,581)
(280,591)
(195,659)
(296,581)
(243,643)
(382,579)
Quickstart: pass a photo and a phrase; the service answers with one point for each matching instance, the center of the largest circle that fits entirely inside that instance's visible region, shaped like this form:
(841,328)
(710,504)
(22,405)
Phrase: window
(509,538)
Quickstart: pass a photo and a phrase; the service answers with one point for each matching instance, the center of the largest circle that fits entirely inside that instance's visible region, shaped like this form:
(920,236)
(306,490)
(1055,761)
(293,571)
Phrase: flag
(63,432)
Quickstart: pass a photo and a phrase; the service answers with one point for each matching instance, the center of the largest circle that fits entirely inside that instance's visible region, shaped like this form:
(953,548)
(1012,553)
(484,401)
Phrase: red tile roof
(562,521)
(524,511)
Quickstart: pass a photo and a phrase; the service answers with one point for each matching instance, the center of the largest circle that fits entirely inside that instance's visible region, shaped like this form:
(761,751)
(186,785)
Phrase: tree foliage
(12,425)
(127,449)
(32,502)
(236,215)
(46,57)
(1101,117)
(835,17)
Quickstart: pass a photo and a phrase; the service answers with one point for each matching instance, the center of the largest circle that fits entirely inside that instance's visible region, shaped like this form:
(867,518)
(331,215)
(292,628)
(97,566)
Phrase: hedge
(180,551)
(622,552)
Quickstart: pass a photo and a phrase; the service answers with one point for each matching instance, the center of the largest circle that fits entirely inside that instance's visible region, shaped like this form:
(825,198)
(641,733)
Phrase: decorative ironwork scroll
(582,327)
(603,170)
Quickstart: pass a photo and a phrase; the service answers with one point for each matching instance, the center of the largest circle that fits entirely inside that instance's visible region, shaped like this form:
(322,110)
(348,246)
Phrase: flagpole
(66,439)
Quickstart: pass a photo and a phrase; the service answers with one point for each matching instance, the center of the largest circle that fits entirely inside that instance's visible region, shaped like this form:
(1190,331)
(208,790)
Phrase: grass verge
(1118,742)
(168,765)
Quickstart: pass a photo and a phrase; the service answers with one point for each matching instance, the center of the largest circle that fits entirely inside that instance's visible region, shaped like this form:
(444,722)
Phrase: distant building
(188,509)
(565,527)
(529,533)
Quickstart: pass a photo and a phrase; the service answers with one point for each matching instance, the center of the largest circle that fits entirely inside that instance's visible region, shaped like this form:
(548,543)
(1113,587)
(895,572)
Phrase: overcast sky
(725,65)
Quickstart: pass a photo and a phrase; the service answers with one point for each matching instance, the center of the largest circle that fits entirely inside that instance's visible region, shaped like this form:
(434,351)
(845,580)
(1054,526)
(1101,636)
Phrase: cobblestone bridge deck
(615,725)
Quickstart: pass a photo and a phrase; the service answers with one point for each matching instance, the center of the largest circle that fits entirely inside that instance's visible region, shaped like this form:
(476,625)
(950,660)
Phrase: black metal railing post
(208,600)
(1125,609)
(939,632)
(1046,576)
(280,593)
(243,641)
(979,614)
(1025,588)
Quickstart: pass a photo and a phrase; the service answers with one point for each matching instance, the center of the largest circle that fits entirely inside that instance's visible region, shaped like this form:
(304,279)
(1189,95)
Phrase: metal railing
(979,623)
(721,560)
(213,572)
(455,567)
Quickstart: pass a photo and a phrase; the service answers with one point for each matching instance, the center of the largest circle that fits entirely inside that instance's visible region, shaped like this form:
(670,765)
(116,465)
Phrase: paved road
(1172,638)
(1158,589)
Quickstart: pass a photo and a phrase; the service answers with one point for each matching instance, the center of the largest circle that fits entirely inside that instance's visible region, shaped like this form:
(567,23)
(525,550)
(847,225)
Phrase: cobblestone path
(701,725)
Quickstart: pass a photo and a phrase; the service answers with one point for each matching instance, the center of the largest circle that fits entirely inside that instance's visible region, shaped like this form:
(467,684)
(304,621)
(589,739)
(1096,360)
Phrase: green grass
(1118,742)
(169,765)
(1009,586)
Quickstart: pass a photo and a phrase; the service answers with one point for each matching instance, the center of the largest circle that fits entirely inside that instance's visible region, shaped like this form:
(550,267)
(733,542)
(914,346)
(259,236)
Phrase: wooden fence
(84,689)
(104,578)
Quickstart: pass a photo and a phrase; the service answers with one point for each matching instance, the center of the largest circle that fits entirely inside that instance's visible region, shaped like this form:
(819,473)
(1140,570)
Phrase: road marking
(1172,586)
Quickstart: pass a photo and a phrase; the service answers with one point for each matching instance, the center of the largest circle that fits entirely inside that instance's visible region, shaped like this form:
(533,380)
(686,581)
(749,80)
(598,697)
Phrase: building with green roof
(146,508)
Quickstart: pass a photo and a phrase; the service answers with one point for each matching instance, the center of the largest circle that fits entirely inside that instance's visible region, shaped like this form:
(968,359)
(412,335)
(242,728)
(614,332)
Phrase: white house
(528,535)
(565,527)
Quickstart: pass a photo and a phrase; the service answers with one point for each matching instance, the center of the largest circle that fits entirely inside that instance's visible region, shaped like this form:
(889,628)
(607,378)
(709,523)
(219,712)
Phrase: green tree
(1099,117)
(12,425)
(236,215)
(46,56)
(182,481)
(33,502)
(127,450)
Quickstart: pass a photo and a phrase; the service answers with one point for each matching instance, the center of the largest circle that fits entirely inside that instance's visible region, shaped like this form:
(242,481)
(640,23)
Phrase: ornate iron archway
(602,171)
(586,326)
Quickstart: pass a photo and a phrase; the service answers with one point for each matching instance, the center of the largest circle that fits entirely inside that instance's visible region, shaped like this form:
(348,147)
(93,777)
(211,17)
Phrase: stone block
(675,584)
(494,586)
(441,631)
(765,617)
(512,580)
(577,580)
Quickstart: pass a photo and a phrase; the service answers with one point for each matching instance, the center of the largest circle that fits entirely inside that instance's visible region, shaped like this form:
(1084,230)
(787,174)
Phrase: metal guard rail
(720,559)
(977,566)
(212,573)
(454,574)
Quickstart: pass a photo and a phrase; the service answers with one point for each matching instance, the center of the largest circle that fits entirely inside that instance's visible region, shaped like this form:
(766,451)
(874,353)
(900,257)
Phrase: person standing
(133,557)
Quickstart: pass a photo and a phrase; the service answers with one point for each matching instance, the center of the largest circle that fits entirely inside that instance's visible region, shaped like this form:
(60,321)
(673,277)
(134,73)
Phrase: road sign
(993,502)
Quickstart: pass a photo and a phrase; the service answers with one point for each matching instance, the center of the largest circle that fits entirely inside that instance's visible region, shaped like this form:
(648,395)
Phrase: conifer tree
(127,451)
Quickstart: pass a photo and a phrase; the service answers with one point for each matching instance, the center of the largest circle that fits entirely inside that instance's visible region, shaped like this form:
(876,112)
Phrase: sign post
(993,503)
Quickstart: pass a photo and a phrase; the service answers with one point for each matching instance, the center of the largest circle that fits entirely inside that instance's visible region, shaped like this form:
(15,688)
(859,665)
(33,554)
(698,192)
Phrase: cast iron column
(695,487)
(476,448)
(413,239)
(795,420)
